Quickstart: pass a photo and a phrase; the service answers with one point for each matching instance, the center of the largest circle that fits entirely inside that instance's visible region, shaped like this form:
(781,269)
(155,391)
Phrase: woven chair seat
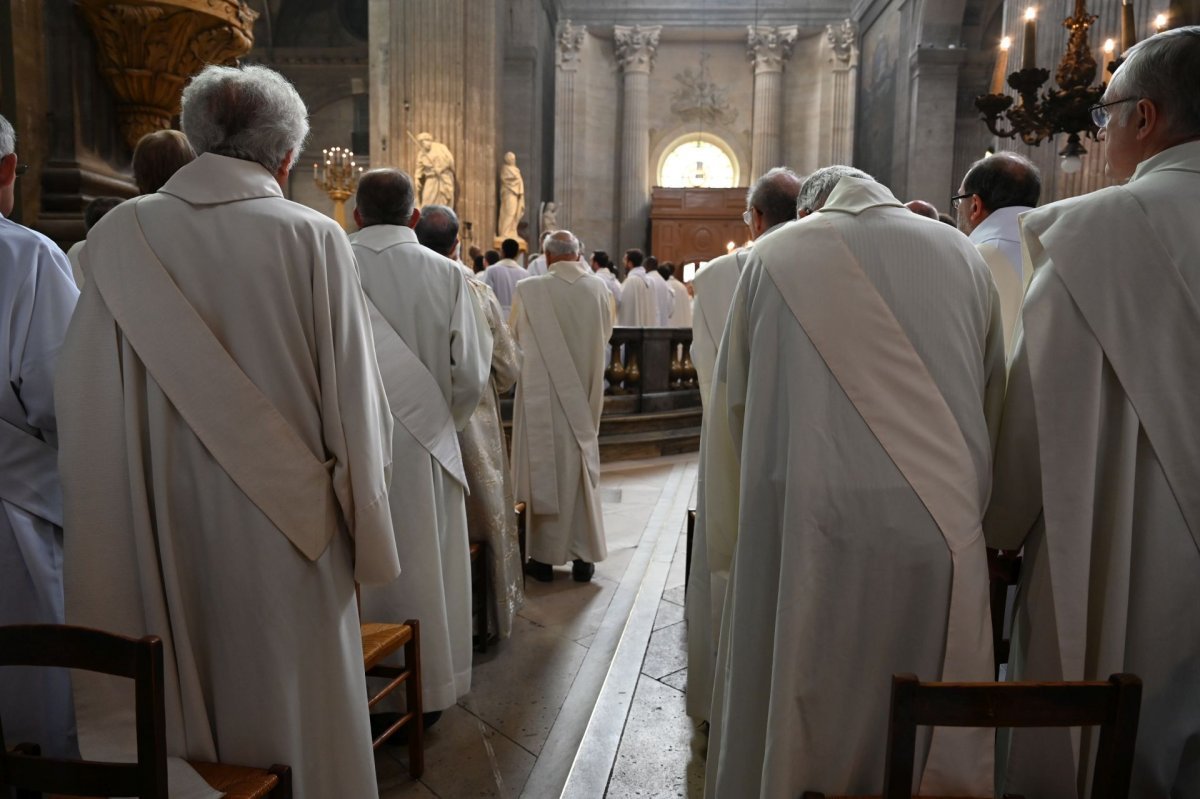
(237,782)
(381,640)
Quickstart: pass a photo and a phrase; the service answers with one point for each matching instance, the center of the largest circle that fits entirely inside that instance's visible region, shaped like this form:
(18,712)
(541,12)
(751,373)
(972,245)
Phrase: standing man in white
(562,325)
(502,276)
(1098,464)
(681,301)
(435,359)
(638,302)
(37,296)
(770,203)
(224,446)
(994,192)
(662,292)
(860,399)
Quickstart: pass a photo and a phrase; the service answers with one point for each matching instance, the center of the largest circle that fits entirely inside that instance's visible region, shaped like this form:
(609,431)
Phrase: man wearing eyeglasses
(994,192)
(1097,469)
(37,297)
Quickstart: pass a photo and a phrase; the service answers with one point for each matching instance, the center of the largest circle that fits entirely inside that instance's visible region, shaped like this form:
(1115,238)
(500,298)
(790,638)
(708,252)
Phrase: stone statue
(512,198)
(549,217)
(435,172)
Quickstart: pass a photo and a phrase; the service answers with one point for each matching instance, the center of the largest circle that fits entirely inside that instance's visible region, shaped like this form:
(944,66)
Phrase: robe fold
(168,524)
(562,326)
(37,296)
(864,469)
(1097,475)
(998,239)
(639,304)
(424,300)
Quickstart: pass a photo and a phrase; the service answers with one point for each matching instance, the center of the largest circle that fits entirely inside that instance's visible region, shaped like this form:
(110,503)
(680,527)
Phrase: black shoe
(543,572)
(582,571)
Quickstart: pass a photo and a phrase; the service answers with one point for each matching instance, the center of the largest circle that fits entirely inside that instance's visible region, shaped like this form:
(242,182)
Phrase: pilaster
(768,48)
(635,50)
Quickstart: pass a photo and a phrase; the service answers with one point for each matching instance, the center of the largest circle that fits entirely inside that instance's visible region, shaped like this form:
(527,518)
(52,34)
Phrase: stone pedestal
(434,67)
(768,48)
(635,49)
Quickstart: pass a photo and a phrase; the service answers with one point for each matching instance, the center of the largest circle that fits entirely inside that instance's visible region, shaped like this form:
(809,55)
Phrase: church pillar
(933,99)
(838,93)
(434,68)
(768,48)
(570,40)
(635,49)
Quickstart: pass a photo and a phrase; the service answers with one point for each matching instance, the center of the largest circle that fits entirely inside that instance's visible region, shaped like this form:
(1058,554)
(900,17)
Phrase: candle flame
(1006,43)
(1031,13)
(1109,46)
(1160,22)
(730,246)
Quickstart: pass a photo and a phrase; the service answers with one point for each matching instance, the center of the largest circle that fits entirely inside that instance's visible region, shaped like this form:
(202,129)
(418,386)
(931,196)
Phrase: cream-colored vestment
(224,443)
(998,238)
(501,277)
(562,325)
(861,349)
(638,305)
(423,298)
(1098,472)
(681,305)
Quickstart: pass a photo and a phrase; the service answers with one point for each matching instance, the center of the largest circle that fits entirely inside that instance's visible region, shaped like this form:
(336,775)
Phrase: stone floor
(586,699)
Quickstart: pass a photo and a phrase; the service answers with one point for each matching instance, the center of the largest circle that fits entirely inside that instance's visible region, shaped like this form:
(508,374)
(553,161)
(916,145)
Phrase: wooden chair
(520,509)
(381,641)
(687,566)
(1004,571)
(1113,705)
(53,645)
(479,595)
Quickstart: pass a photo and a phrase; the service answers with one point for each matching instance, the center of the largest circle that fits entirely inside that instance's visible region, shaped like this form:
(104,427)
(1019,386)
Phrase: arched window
(698,161)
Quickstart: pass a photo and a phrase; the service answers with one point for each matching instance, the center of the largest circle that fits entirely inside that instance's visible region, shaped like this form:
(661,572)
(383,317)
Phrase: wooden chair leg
(414,703)
(284,789)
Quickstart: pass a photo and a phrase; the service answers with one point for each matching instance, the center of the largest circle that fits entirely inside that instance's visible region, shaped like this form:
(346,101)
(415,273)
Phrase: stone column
(570,41)
(838,93)
(635,49)
(767,48)
(933,97)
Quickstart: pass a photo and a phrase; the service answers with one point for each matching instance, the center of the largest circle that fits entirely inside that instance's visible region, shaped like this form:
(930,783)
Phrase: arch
(691,137)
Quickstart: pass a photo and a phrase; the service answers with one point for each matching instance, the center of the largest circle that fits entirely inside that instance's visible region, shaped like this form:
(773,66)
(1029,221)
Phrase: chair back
(63,646)
(1113,705)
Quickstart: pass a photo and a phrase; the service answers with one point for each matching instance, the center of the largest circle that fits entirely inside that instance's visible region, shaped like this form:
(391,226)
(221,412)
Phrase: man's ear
(415,218)
(1146,118)
(8,169)
(358,219)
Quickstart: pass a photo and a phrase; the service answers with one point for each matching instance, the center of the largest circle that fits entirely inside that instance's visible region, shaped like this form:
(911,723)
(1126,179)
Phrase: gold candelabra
(337,177)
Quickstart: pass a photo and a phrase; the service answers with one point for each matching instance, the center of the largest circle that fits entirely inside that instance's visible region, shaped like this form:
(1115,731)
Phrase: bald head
(922,208)
(772,199)
(385,197)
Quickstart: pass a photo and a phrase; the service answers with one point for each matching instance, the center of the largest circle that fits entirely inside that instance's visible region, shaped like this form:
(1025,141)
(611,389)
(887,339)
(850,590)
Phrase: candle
(1001,70)
(1128,26)
(1160,23)
(1029,51)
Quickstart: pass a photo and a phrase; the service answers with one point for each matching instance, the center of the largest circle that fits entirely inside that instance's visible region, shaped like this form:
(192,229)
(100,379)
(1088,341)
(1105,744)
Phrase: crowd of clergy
(252,413)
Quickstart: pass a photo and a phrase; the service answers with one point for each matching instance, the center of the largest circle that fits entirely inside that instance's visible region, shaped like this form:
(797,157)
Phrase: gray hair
(820,184)
(1164,69)
(8,138)
(562,242)
(774,195)
(252,113)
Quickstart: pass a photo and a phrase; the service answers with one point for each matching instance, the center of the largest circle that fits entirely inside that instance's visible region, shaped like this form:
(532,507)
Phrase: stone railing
(650,369)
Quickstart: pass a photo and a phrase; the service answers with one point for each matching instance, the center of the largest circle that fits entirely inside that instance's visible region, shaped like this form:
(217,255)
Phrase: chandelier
(1039,115)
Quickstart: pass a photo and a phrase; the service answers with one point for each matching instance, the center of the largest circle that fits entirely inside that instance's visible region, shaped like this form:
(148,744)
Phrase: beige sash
(551,369)
(238,425)
(1116,310)
(872,359)
(415,398)
(29,473)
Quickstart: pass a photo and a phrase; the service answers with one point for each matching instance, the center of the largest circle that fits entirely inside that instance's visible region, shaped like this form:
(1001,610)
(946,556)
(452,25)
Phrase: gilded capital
(769,47)
(570,40)
(636,46)
(149,50)
(842,38)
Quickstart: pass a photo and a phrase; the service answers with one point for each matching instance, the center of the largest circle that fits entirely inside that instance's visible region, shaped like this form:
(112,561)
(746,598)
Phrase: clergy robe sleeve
(355,418)
(42,314)
(733,357)
(470,355)
(994,365)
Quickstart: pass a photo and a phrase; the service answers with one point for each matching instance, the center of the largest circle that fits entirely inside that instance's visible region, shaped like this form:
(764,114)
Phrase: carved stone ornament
(570,40)
(769,47)
(842,38)
(636,46)
(698,98)
(149,50)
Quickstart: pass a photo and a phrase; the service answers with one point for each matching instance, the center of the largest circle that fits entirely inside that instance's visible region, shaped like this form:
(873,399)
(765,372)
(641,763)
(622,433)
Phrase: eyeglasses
(1101,115)
(956,199)
(746,217)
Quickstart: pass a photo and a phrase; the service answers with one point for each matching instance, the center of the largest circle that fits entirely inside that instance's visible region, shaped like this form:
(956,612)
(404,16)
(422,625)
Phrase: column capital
(768,47)
(570,40)
(843,38)
(636,46)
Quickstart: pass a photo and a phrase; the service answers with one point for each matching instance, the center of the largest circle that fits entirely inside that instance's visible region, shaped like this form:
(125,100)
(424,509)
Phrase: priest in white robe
(562,326)
(770,203)
(426,325)
(502,276)
(861,351)
(602,268)
(37,296)
(681,301)
(224,447)
(663,298)
(639,305)
(1098,464)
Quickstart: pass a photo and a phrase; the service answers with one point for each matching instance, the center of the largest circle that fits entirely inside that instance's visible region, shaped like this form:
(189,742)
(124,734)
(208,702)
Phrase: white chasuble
(861,350)
(562,326)
(638,305)
(192,371)
(426,314)
(1096,473)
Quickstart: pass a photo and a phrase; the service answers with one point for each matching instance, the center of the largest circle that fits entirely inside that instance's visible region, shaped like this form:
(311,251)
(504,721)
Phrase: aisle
(568,675)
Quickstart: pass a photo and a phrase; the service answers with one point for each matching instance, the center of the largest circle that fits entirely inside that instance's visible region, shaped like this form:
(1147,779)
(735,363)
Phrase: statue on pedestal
(549,217)
(512,199)
(435,172)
